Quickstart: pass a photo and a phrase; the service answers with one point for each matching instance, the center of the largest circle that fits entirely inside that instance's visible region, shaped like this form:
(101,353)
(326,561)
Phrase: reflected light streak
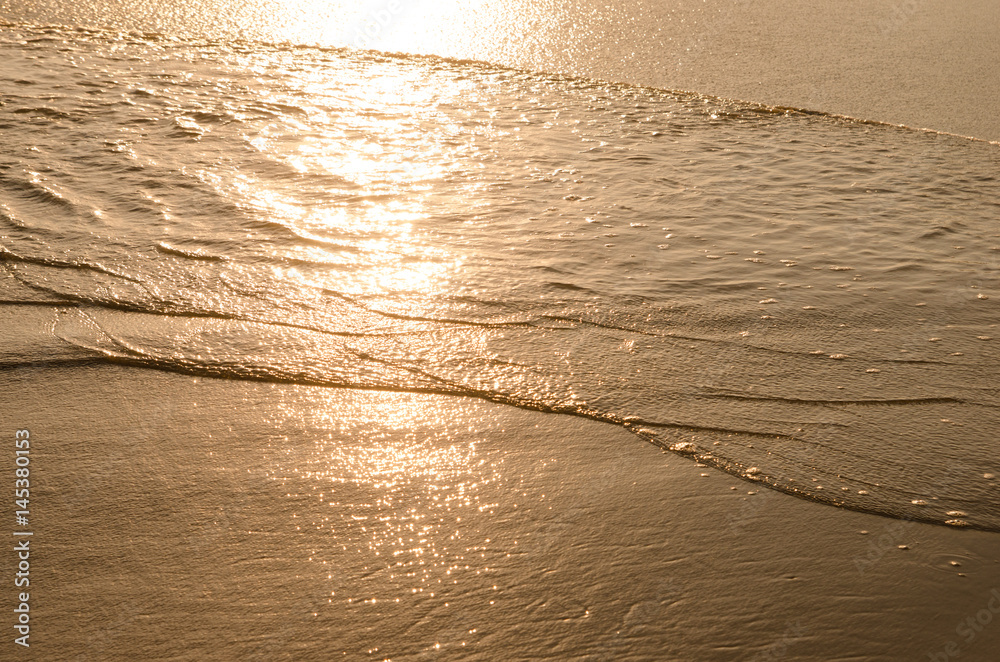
(359,171)
(401,480)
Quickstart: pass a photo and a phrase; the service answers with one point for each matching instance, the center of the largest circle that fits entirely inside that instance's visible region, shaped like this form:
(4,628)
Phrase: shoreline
(317,520)
(853,59)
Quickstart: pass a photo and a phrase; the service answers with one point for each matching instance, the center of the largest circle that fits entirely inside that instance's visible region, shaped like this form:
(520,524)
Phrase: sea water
(803,300)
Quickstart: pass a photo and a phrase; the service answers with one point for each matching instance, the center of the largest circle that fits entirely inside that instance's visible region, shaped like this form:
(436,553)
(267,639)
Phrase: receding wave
(804,301)
(727,108)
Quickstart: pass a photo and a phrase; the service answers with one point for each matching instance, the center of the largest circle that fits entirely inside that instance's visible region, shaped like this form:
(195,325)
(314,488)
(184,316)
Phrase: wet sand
(194,519)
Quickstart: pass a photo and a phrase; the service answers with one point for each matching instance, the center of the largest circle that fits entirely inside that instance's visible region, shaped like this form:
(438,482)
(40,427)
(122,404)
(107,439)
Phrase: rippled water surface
(926,63)
(801,300)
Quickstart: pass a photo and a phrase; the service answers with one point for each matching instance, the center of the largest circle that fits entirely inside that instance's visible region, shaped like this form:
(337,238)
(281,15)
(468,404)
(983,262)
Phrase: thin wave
(139,37)
(677,342)
(191,253)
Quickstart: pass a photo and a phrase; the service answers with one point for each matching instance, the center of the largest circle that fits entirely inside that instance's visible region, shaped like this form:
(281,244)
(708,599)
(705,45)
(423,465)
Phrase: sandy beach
(358,331)
(215,520)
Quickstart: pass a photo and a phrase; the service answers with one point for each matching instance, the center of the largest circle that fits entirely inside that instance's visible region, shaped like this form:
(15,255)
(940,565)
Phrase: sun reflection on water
(405,487)
(360,156)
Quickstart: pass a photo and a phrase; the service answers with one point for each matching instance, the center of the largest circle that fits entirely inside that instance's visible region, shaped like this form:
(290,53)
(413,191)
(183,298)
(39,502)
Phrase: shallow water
(923,63)
(801,300)
(185,518)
